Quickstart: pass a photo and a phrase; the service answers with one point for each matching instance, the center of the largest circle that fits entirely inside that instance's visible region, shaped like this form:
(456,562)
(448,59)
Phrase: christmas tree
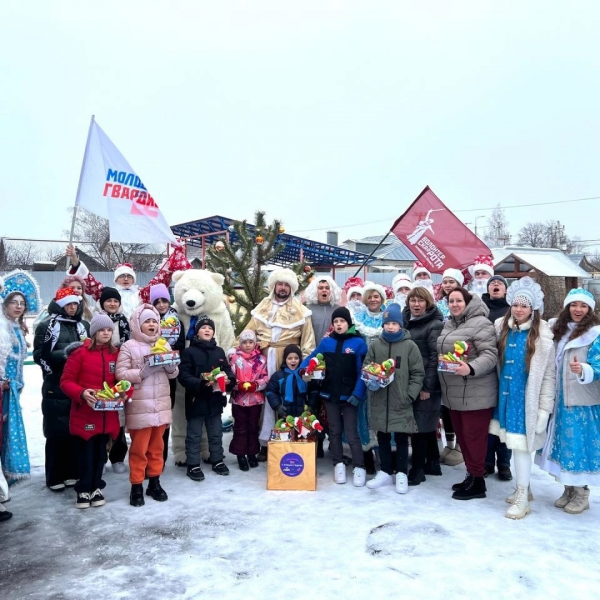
(241,259)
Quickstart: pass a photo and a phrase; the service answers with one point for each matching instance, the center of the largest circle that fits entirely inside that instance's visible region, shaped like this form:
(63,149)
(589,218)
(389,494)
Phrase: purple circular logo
(291,464)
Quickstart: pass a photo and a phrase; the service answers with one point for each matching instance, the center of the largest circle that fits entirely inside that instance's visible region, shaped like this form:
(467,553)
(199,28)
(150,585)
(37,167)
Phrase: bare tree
(533,234)
(22,255)
(497,229)
(94,233)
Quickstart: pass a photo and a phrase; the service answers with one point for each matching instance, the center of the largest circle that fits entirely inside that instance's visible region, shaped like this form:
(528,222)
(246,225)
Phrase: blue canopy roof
(314,253)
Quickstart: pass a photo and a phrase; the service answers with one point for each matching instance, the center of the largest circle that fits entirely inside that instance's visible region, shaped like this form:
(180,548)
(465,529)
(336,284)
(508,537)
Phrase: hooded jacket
(478,390)
(150,404)
(89,369)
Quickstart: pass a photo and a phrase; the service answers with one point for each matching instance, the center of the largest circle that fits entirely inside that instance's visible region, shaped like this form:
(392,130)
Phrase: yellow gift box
(292,466)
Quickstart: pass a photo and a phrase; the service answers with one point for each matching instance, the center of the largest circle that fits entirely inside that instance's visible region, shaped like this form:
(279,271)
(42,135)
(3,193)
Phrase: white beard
(479,286)
(400,299)
(424,283)
(130,299)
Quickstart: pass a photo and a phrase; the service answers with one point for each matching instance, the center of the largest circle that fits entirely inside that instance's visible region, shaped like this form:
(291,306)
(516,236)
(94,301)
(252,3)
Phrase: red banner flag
(436,236)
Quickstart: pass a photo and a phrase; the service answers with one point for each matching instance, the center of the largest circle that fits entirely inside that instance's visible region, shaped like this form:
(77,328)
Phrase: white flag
(110,188)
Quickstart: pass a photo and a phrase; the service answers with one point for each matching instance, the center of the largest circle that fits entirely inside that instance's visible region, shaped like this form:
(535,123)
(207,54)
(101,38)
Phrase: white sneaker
(360,477)
(381,479)
(119,467)
(339,473)
(401,483)
(70,482)
(59,487)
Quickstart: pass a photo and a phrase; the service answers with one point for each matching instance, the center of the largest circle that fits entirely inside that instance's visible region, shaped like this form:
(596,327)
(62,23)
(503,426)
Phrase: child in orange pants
(149,412)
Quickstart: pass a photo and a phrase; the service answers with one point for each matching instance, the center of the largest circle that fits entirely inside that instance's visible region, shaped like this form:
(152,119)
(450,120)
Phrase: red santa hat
(66,296)
(124,269)
(401,280)
(482,263)
(419,267)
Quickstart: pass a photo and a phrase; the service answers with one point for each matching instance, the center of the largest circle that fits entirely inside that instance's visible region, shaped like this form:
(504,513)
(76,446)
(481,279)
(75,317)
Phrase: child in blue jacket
(342,391)
(286,390)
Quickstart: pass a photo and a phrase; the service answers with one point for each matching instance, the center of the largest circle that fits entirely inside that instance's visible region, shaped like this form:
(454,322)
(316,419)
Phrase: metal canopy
(549,261)
(296,248)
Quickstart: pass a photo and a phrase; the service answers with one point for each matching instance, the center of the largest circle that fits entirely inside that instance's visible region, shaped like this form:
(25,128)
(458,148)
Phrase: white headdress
(526,291)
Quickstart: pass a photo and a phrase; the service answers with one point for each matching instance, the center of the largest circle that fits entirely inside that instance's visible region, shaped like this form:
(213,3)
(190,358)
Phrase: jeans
(496,448)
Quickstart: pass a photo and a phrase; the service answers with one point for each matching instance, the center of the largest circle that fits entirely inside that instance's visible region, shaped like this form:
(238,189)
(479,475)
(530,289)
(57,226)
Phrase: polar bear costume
(197,293)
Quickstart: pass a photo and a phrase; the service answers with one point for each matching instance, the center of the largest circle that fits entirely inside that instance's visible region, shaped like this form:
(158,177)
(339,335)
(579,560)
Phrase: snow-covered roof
(550,261)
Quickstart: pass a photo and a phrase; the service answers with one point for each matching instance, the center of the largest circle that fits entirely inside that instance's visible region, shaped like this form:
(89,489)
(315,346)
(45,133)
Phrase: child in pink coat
(250,369)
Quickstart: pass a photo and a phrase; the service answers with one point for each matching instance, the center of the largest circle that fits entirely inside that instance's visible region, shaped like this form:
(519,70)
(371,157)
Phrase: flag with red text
(111,189)
(436,236)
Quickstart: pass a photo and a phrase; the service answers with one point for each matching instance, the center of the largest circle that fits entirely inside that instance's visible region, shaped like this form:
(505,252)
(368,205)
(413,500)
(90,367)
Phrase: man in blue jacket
(343,390)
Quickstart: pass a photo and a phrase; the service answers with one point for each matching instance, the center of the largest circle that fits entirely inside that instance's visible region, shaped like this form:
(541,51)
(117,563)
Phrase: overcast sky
(326,114)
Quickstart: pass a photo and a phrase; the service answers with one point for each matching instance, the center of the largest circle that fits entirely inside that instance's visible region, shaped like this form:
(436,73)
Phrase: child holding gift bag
(247,398)
(90,364)
(149,412)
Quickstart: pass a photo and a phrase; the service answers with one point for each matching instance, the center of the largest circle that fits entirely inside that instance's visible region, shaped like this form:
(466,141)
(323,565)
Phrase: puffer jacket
(479,390)
(391,407)
(88,370)
(150,404)
(56,405)
(424,332)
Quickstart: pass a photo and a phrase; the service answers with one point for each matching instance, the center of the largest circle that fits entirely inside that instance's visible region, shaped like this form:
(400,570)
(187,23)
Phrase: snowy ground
(228,537)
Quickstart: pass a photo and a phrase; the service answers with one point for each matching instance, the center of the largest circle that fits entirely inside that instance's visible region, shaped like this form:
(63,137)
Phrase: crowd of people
(520,386)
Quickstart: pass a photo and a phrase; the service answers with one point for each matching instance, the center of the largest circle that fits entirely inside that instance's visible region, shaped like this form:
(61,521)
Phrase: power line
(391,219)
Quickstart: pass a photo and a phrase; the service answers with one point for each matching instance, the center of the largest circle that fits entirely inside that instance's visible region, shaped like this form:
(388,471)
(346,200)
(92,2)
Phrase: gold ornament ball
(282,230)
(219,246)
(259,239)
(231,299)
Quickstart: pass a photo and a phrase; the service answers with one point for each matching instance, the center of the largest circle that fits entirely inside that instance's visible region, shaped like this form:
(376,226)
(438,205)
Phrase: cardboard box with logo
(292,466)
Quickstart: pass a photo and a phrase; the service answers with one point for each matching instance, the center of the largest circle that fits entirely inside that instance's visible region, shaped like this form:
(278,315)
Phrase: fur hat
(311,293)
(419,267)
(342,313)
(283,276)
(482,263)
(100,321)
(109,293)
(124,269)
(204,320)
(371,286)
(401,280)
(454,274)
(580,295)
(158,292)
(392,314)
(66,296)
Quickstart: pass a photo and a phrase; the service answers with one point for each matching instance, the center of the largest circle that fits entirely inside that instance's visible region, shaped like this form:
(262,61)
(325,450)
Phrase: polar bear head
(197,292)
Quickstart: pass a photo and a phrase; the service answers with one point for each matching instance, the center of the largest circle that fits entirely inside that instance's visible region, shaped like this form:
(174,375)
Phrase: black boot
(432,467)
(369,462)
(320,451)
(194,472)
(475,489)
(504,474)
(136,497)
(416,476)
(464,483)
(262,455)
(243,463)
(252,462)
(155,490)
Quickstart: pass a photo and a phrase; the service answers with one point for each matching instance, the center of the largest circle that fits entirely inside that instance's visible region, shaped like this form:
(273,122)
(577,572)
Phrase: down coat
(391,407)
(479,390)
(539,391)
(150,404)
(87,369)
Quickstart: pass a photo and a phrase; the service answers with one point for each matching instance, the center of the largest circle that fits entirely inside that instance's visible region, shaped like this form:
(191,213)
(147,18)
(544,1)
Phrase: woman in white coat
(526,384)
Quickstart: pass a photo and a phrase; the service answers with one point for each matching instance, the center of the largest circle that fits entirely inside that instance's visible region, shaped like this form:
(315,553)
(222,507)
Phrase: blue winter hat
(393,314)
(580,295)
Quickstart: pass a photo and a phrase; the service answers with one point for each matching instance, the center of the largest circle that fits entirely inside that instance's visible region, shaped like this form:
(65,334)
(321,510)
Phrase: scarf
(293,376)
(122,323)
(192,330)
(392,337)
(52,335)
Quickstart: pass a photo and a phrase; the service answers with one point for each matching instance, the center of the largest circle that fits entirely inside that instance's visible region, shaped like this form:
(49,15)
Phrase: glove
(372,385)
(246,386)
(353,400)
(146,371)
(542,422)
(282,412)
(170,369)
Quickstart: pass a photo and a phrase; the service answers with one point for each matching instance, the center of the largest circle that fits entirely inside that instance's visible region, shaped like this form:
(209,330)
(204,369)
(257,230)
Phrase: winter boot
(432,467)
(464,483)
(416,476)
(243,463)
(520,507)
(155,490)
(262,455)
(474,489)
(454,457)
(489,470)
(579,501)
(369,462)
(566,497)
(252,461)
(511,499)
(220,468)
(194,472)
(136,497)
(504,474)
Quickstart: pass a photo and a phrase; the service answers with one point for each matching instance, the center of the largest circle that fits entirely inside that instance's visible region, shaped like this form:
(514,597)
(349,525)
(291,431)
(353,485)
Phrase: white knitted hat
(401,280)
(456,275)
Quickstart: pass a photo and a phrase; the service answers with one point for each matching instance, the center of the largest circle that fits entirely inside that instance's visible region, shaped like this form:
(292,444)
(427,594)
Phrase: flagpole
(385,237)
(83,163)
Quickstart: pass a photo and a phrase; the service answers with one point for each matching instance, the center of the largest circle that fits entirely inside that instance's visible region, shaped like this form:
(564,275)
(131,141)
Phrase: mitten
(170,369)
(282,412)
(542,421)
(146,371)
(353,400)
